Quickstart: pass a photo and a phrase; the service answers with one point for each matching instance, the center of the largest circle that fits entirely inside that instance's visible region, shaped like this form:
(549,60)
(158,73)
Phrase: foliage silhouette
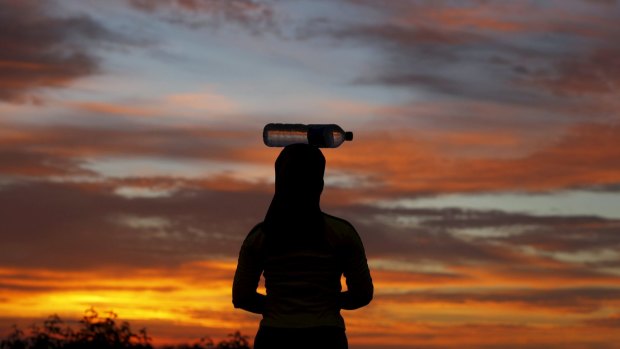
(96,332)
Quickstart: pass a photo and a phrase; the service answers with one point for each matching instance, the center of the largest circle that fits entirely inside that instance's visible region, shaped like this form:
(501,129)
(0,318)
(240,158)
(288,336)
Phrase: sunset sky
(483,177)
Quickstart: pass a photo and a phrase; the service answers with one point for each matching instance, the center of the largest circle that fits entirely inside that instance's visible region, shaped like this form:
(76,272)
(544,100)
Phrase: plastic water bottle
(320,135)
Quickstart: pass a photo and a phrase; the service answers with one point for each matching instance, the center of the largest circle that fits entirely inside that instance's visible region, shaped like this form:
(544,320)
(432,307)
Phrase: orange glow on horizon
(197,295)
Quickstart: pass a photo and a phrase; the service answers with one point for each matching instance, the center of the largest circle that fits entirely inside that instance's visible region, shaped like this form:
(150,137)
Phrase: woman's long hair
(294,219)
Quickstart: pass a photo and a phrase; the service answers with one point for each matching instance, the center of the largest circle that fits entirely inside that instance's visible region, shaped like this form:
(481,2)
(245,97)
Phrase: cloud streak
(255,16)
(571,300)
(104,233)
(513,54)
(584,156)
(44,51)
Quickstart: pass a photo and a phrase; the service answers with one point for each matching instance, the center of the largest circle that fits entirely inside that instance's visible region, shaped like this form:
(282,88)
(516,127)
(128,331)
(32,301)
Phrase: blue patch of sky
(267,74)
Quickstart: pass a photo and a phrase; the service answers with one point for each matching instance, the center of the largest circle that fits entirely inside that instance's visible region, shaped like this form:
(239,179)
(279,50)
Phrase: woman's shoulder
(338,222)
(255,236)
(341,227)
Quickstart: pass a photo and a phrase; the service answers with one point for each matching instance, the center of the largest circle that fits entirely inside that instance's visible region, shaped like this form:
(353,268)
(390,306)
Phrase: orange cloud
(400,162)
(23,148)
(116,109)
(207,101)
(586,155)
(205,105)
(411,162)
(474,17)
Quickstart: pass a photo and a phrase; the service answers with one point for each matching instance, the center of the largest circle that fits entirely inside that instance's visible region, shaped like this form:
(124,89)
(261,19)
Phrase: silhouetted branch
(96,332)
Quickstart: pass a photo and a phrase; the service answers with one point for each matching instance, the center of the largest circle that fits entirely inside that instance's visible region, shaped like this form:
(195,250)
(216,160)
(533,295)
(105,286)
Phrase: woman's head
(299,173)
(295,208)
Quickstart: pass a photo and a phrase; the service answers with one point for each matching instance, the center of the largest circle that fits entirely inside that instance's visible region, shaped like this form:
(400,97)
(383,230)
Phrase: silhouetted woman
(303,253)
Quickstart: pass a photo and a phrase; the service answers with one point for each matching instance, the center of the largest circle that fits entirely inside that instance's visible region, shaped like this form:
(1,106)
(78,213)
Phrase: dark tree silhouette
(234,341)
(96,332)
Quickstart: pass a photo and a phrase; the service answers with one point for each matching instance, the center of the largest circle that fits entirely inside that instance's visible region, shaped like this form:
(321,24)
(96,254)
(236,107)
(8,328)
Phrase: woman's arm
(247,276)
(359,283)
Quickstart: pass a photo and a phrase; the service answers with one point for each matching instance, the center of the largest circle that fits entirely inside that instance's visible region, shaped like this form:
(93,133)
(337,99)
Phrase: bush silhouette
(96,332)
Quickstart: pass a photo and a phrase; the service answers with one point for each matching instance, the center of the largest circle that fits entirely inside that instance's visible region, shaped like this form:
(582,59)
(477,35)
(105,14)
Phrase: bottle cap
(348,136)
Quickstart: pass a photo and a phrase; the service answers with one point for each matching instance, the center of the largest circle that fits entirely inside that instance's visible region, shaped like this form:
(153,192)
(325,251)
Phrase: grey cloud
(550,233)
(41,50)
(607,188)
(591,73)
(62,226)
(59,225)
(428,57)
(71,221)
(434,235)
(255,16)
(542,62)
(571,238)
(384,238)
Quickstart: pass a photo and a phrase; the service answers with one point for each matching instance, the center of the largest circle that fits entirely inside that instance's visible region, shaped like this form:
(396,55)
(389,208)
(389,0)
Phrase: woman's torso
(303,283)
